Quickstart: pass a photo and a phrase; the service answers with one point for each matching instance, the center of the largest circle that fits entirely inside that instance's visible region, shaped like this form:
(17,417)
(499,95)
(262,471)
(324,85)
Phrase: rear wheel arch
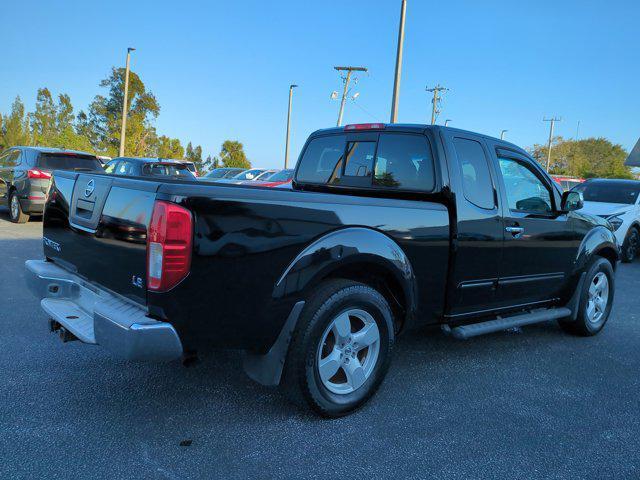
(359,254)
(377,276)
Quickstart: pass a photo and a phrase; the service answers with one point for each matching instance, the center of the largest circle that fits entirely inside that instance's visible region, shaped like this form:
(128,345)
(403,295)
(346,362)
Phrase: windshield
(68,162)
(281,176)
(168,170)
(249,174)
(609,192)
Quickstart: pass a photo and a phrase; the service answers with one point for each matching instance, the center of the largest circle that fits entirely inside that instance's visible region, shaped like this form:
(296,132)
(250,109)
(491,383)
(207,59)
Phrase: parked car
(619,202)
(251,174)
(279,178)
(387,228)
(567,183)
(258,180)
(220,173)
(190,166)
(25,175)
(149,167)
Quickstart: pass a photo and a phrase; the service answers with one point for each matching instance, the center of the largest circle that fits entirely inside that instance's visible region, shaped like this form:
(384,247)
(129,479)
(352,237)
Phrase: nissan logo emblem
(89,188)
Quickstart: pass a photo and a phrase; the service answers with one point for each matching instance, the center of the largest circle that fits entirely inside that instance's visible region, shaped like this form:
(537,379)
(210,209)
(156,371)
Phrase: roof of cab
(415,128)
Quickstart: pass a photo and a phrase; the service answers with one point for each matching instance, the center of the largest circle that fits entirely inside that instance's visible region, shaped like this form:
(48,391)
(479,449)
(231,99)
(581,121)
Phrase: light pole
(396,81)
(502,134)
(346,87)
(286,148)
(552,122)
(124,103)
(446,122)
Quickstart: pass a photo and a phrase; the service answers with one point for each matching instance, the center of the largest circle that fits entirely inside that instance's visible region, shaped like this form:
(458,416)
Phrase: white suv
(618,202)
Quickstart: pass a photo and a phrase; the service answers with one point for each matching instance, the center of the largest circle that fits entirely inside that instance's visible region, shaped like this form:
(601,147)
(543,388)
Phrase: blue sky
(222,69)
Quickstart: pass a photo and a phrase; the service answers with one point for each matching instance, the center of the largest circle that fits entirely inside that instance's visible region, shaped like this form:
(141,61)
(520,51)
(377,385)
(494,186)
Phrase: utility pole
(286,148)
(502,134)
(578,130)
(396,82)
(434,110)
(552,121)
(124,103)
(346,80)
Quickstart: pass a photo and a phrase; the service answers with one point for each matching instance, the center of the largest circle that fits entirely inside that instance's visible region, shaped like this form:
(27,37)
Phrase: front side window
(525,191)
(404,162)
(322,160)
(476,179)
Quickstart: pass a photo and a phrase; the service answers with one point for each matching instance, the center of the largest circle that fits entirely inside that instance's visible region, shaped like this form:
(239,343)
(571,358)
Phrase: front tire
(596,300)
(16,215)
(341,349)
(630,246)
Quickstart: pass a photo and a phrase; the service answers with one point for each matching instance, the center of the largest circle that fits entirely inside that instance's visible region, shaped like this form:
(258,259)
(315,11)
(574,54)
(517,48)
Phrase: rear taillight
(36,173)
(169,244)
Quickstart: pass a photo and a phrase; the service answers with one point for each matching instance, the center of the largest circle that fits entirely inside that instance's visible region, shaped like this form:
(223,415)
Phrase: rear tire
(341,349)
(16,215)
(596,300)
(630,246)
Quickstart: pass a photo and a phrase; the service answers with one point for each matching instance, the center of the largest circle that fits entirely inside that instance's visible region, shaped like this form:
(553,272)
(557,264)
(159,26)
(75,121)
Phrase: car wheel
(596,300)
(16,215)
(341,348)
(630,246)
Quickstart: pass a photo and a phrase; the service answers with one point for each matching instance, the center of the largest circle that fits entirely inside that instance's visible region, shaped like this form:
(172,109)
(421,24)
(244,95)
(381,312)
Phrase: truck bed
(245,240)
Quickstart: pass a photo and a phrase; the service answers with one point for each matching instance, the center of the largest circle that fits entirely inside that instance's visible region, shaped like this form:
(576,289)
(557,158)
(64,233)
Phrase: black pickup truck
(387,228)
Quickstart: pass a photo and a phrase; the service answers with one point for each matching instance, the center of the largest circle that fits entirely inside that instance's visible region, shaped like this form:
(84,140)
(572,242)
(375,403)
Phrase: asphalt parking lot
(530,404)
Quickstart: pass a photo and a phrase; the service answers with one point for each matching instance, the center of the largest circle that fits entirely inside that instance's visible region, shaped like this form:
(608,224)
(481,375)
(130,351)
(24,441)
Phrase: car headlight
(615,222)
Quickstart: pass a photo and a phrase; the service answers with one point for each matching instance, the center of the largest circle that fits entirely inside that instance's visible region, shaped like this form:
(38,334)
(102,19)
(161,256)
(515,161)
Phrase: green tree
(43,119)
(194,155)
(587,158)
(105,116)
(15,130)
(232,155)
(169,148)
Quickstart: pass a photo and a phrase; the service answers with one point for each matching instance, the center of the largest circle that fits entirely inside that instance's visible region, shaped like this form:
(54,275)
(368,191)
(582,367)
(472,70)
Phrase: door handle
(516,232)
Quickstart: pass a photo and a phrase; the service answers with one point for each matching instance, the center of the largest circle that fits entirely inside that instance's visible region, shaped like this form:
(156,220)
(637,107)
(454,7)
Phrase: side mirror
(572,201)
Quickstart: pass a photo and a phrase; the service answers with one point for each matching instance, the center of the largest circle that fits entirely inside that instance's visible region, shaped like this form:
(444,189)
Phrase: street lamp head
(293,85)
(130,49)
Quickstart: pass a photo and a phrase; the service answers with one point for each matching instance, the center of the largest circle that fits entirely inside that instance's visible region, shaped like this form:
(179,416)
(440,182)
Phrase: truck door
(478,235)
(539,244)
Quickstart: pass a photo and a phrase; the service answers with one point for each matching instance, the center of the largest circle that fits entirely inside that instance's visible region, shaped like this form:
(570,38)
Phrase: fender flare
(338,249)
(594,242)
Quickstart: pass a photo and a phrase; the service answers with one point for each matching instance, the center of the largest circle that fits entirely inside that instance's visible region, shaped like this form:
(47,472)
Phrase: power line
(436,101)
(346,78)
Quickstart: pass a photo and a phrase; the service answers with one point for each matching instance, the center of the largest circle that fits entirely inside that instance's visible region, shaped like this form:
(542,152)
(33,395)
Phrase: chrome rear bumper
(96,316)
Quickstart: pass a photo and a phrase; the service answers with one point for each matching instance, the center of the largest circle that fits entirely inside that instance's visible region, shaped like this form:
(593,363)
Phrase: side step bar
(503,323)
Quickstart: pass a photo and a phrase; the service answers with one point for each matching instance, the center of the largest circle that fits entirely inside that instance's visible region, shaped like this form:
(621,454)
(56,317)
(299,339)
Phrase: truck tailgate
(95,225)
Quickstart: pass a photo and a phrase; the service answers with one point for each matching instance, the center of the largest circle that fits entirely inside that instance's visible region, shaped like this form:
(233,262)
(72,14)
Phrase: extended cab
(387,228)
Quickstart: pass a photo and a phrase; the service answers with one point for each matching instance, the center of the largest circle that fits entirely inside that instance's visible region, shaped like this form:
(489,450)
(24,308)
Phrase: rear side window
(404,162)
(476,179)
(322,160)
(68,162)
